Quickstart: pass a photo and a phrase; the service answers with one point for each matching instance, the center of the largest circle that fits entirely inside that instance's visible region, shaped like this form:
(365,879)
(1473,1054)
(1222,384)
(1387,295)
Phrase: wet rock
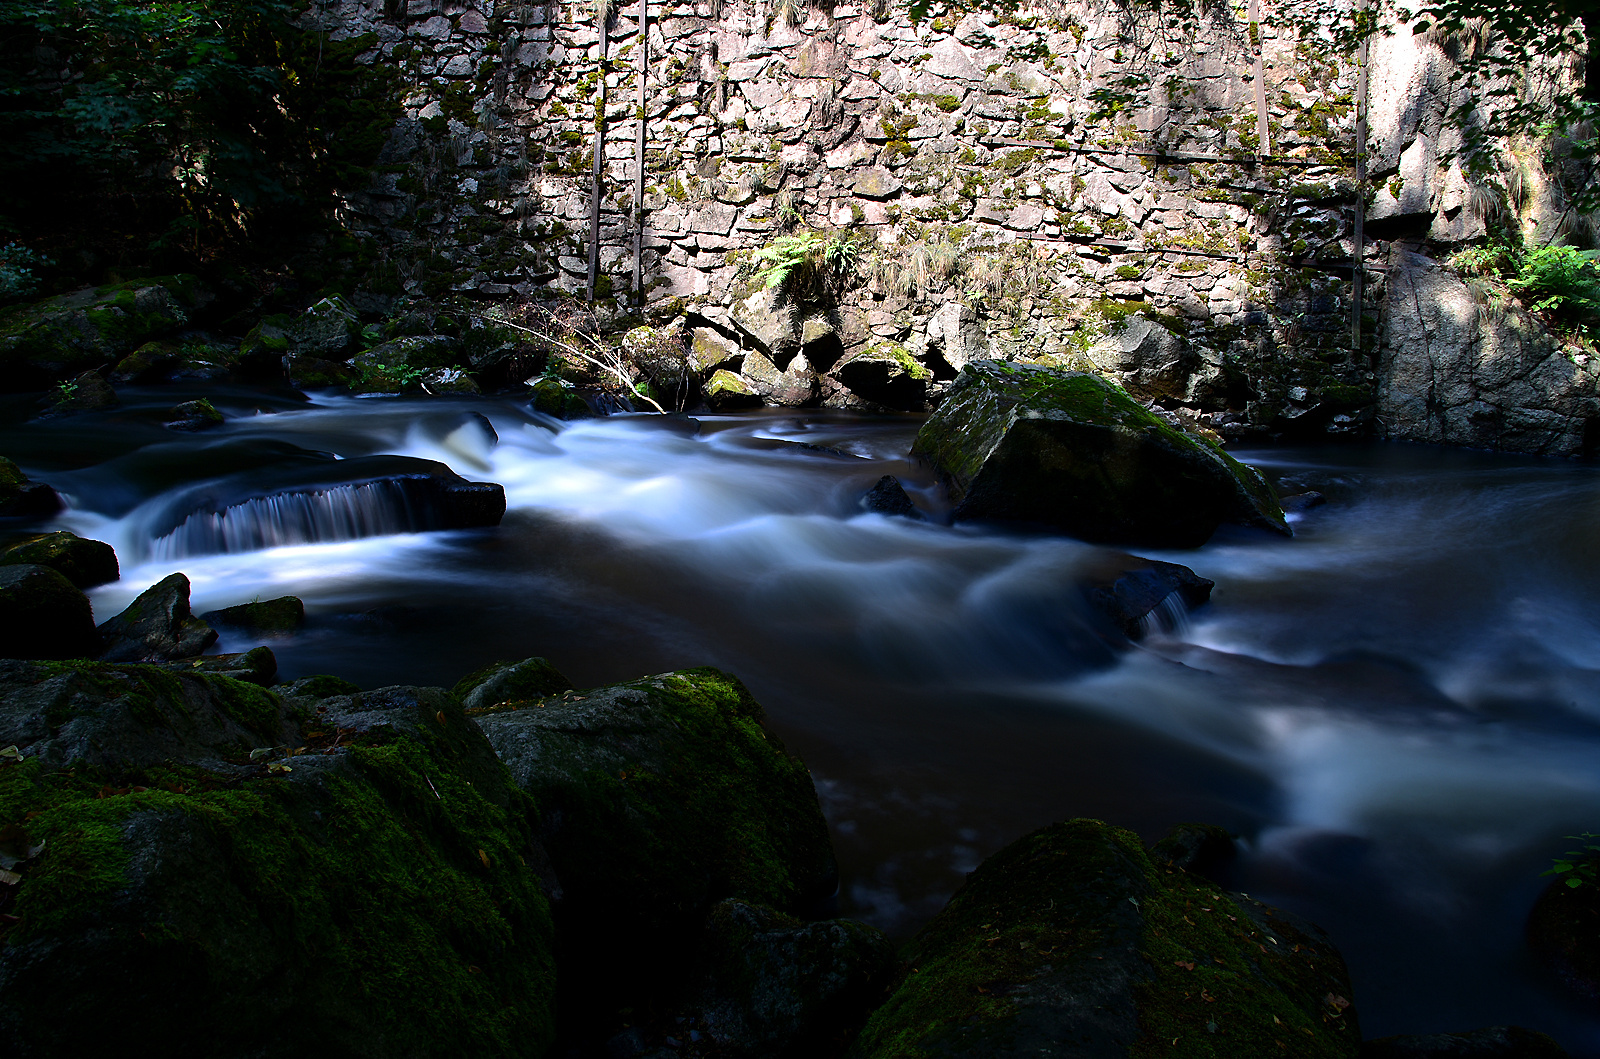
(368,890)
(790,386)
(321,686)
(271,617)
(886,375)
(657,799)
(163,361)
(45,615)
(1074,934)
(888,497)
(88,392)
(727,390)
(194,416)
(85,563)
(1303,501)
(1495,1042)
(22,498)
(157,626)
(510,682)
(325,331)
(775,986)
(1020,442)
(556,397)
(1564,935)
(1127,590)
(255,666)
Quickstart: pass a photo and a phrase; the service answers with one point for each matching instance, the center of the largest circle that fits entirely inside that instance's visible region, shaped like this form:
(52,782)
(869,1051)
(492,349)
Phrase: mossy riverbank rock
(270,617)
(157,626)
(185,888)
(1072,941)
(84,562)
(22,498)
(62,337)
(1025,443)
(44,614)
(658,798)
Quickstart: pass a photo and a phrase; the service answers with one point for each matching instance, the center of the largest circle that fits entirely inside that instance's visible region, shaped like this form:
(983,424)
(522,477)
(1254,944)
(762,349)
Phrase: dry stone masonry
(1078,184)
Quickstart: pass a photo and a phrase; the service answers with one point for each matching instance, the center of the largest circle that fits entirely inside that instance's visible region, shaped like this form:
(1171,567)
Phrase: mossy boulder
(157,626)
(62,337)
(1070,450)
(728,390)
(328,329)
(364,896)
(162,361)
(555,397)
(775,986)
(1074,934)
(659,798)
(44,614)
(255,666)
(510,682)
(886,375)
(194,416)
(271,617)
(85,563)
(22,498)
(87,392)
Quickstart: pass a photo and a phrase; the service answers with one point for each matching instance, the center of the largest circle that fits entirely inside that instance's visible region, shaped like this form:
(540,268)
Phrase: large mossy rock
(22,498)
(84,562)
(1072,941)
(63,337)
(185,889)
(1025,443)
(44,615)
(157,626)
(659,798)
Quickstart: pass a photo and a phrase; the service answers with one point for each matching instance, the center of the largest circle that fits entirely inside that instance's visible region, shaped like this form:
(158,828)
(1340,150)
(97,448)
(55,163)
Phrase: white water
(1398,708)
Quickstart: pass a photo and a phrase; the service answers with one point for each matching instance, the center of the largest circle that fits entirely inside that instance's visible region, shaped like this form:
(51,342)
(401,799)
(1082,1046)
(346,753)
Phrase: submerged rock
(1128,590)
(1495,1042)
(888,497)
(1020,442)
(1074,935)
(84,562)
(44,614)
(157,626)
(775,986)
(271,617)
(657,799)
(22,498)
(188,888)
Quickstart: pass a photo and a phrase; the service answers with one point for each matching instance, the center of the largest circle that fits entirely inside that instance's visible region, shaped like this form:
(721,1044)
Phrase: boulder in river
(44,614)
(1131,592)
(195,415)
(157,626)
(1067,449)
(62,337)
(269,617)
(888,497)
(657,799)
(84,562)
(21,498)
(1073,934)
(182,886)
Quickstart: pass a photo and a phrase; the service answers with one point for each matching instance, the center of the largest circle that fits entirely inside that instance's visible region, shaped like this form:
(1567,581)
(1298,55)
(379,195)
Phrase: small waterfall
(338,513)
(1170,617)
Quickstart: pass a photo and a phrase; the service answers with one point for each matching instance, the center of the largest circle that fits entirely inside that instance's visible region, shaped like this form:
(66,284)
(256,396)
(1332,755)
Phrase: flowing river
(1399,709)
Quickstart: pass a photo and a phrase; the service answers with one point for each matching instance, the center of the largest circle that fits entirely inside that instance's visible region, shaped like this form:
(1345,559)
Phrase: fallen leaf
(440,716)
(9,878)
(1336,1001)
(11,753)
(1187,965)
(483,857)
(278,767)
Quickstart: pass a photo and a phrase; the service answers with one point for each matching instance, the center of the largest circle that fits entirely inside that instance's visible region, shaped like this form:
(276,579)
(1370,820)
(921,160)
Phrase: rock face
(157,626)
(44,614)
(1018,442)
(777,987)
(657,799)
(1072,934)
(85,563)
(366,896)
(1455,373)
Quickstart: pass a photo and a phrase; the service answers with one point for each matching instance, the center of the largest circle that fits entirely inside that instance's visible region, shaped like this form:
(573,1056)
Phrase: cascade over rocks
(1073,934)
(1024,443)
(183,889)
(1126,590)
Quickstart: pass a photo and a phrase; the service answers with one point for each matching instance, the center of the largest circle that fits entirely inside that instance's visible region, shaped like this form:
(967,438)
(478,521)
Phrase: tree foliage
(175,125)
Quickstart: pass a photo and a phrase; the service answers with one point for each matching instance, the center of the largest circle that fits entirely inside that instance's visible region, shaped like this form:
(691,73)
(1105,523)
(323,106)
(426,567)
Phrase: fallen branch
(627,383)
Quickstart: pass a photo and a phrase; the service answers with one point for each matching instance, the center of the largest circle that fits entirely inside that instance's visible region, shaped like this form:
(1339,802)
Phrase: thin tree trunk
(1591,60)
(638,156)
(602,19)
(1258,72)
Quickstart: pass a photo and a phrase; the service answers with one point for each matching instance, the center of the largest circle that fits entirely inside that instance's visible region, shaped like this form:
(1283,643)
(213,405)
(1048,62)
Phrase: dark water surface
(1399,709)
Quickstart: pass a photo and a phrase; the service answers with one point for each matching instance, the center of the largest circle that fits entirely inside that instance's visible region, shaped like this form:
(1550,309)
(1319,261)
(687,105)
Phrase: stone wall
(999,198)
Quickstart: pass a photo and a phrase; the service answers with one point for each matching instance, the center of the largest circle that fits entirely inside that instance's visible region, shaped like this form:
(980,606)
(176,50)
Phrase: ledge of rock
(1024,443)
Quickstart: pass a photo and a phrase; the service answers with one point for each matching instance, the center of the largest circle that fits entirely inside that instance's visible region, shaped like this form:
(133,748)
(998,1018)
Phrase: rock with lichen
(84,562)
(366,896)
(1074,934)
(1070,450)
(157,626)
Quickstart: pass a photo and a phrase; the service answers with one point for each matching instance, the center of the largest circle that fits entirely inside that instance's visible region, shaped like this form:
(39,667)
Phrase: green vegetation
(1578,867)
(808,264)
